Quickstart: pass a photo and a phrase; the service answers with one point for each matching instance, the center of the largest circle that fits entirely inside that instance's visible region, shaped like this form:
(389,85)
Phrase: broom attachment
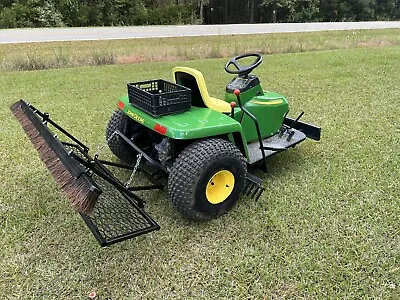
(71,176)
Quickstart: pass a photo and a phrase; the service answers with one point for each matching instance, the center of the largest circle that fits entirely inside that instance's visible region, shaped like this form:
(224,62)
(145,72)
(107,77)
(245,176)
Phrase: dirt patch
(138,58)
(375,43)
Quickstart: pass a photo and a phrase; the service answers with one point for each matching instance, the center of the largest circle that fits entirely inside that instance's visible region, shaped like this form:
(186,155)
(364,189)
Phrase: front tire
(207,178)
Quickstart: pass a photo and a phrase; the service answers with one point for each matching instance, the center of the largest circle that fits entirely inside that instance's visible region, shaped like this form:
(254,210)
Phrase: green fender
(199,122)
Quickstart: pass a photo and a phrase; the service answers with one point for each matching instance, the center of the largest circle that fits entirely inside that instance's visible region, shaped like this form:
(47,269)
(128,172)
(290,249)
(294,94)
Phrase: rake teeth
(250,189)
(69,175)
(253,187)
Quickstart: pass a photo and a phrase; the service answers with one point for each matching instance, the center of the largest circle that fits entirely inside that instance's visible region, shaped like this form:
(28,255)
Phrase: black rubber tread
(191,172)
(119,121)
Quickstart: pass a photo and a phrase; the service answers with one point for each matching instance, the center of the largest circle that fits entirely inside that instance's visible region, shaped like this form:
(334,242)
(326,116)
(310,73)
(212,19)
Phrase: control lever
(289,129)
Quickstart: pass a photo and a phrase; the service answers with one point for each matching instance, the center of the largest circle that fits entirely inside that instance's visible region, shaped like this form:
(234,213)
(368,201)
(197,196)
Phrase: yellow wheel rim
(220,186)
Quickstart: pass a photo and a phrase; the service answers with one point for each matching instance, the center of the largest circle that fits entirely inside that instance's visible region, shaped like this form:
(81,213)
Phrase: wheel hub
(220,186)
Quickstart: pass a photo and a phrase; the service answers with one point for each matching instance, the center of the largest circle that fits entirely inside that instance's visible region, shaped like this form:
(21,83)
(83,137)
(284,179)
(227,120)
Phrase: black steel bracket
(311,131)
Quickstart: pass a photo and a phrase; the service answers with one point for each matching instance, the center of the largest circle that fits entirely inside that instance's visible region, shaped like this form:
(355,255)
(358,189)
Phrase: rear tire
(207,178)
(128,127)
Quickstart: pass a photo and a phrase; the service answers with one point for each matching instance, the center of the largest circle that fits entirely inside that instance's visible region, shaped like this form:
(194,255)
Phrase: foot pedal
(253,187)
(116,217)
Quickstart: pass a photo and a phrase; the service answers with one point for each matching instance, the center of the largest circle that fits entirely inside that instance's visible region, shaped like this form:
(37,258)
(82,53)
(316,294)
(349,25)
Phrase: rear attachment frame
(126,206)
(311,131)
(118,213)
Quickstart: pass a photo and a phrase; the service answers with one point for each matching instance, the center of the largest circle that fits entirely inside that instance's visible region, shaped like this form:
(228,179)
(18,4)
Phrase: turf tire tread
(119,121)
(189,165)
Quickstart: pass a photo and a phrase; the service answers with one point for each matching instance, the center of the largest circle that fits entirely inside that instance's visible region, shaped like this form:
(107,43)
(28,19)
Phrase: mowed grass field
(327,226)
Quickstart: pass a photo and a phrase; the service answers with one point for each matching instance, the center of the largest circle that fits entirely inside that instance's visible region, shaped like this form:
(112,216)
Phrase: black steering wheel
(243,70)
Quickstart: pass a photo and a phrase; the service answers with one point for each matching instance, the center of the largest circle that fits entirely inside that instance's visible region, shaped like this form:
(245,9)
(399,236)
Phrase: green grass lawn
(327,225)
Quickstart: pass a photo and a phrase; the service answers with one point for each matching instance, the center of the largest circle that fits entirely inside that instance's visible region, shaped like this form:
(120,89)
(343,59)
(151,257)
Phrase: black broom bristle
(78,190)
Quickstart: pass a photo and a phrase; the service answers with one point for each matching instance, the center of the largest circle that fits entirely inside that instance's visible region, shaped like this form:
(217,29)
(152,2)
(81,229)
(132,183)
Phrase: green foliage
(16,15)
(172,14)
(305,11)
(48,13)
(340,10)
(49,16)
(332,10)
(266,11)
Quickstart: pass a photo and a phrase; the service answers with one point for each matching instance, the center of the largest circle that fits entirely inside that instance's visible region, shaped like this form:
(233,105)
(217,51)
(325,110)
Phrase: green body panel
(269,109)
(197,123)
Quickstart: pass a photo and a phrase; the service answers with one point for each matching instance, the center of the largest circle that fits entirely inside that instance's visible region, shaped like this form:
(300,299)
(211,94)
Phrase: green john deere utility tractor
(203,145)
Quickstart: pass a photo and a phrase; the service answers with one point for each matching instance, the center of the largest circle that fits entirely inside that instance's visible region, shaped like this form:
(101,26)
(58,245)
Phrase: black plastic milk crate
(159,97)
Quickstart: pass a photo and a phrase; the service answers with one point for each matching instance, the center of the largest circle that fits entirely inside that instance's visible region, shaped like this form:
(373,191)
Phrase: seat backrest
(194,80)
(189,81)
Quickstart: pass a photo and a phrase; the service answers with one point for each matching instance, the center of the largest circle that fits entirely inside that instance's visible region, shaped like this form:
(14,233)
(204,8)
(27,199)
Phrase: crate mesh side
(159,97)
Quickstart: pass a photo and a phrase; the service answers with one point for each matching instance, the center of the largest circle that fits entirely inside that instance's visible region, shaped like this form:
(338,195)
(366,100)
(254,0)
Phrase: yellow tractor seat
(194,80)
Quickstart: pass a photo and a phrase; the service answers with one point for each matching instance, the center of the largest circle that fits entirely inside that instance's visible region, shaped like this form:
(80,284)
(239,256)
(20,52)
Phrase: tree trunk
(201,12)
(251,11)
(226,12)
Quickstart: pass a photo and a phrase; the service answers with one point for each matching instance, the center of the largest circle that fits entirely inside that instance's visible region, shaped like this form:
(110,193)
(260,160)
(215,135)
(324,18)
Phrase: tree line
(270,11)
(57,13)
